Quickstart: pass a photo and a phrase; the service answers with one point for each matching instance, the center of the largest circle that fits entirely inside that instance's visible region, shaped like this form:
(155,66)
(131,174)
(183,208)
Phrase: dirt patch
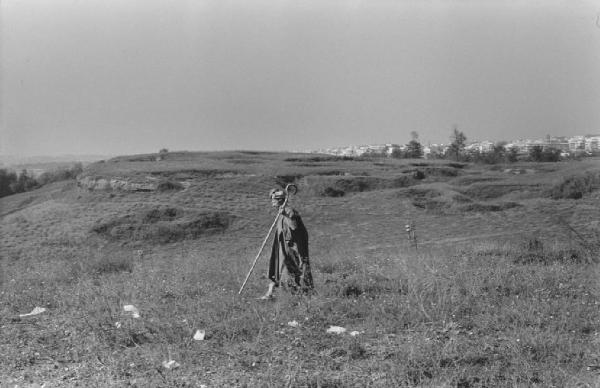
(162,225)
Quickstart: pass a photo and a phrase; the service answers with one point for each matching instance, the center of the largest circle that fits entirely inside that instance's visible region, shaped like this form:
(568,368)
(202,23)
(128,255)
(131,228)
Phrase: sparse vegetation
(501,299)
(13,183)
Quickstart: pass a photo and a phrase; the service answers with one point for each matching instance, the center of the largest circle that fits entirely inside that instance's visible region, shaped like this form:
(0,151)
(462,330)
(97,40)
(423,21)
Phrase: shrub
(168,185)
(333,192)
(60,174)
(574,187)
(418,174)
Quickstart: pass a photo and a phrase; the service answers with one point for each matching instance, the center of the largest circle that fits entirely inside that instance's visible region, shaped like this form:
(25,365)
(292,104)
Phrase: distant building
(577,143)
(392,147)
(482,146)
(592,144)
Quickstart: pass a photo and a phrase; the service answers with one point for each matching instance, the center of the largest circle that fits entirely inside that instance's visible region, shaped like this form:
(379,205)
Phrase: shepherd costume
(290,251)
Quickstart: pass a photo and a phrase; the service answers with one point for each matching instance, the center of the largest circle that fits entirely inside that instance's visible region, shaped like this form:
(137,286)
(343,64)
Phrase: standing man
(290,248)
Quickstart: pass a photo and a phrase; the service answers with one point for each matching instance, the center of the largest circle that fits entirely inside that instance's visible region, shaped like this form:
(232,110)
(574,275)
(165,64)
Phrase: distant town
(567,145)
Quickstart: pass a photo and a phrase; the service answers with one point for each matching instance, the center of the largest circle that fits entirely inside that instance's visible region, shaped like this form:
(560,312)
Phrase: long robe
(290,251)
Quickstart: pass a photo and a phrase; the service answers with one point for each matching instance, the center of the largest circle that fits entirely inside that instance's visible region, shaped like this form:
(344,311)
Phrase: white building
(577,143)
(592,144)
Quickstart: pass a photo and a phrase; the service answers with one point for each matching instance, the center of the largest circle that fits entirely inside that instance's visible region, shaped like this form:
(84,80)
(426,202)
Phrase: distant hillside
(16,161)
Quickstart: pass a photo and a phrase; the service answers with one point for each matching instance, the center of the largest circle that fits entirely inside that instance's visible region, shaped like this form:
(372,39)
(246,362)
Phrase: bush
(11,183)
(544,154)
(61,174)
(574,187)
(169,185)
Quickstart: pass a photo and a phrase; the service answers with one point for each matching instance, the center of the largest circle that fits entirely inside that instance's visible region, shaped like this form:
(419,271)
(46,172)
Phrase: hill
(500,290)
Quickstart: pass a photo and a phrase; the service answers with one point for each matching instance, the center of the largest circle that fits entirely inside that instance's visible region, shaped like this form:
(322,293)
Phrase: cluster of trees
(13,183)
(457,151)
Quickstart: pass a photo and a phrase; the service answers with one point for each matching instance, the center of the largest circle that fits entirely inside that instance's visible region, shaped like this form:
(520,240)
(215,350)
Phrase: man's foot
(269,294)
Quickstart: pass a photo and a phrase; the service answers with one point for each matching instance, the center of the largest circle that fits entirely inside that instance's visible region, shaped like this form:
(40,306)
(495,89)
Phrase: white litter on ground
(354,333)
(199,335)
(118,325)
(135,313)
(171,364)
(293,323)
(336,329)
(35,311)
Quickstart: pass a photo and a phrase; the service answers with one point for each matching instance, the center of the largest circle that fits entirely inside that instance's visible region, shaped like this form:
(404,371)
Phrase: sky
(134,76)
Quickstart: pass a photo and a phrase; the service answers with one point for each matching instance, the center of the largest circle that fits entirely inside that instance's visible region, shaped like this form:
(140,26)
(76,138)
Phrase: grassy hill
(501,289)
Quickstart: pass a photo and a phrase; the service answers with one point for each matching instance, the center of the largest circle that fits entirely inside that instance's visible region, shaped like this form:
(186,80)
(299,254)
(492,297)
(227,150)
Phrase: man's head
(277,197)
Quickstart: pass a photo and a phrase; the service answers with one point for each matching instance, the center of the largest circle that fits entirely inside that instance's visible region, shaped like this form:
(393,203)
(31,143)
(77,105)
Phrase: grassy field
(501,290)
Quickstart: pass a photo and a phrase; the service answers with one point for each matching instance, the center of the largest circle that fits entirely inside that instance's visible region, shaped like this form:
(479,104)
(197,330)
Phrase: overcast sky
(129,76)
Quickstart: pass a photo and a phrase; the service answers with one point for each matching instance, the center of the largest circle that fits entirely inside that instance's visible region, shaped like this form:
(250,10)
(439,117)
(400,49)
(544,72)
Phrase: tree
(535,153)
(414,149)
(396,153)
(7,180)
(24,182)
(458,142)
(538,153)
(511,154)
(414,135)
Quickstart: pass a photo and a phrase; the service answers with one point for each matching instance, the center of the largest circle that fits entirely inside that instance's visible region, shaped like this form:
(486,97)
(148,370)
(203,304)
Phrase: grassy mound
(485,191)
(162,225)
(336,186)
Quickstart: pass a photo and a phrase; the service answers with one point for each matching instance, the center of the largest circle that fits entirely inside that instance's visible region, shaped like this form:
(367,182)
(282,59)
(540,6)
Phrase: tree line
(12,182)
(457,151)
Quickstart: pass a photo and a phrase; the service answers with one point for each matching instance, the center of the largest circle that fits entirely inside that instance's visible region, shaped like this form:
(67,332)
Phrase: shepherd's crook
(266,238)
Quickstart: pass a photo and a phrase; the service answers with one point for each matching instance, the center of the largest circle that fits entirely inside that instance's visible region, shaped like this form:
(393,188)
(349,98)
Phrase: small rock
(293,323)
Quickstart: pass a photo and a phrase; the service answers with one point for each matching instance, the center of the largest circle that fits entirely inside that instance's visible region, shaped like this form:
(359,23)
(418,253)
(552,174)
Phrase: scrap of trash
(171,364)
(341,330)
(35,311)
(336,330)
(199,335)
(135,313)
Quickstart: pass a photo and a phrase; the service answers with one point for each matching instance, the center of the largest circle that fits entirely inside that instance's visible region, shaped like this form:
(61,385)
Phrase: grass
(505,298)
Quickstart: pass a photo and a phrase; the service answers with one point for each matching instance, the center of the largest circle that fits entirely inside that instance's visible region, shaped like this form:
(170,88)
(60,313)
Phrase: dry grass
(507,298)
